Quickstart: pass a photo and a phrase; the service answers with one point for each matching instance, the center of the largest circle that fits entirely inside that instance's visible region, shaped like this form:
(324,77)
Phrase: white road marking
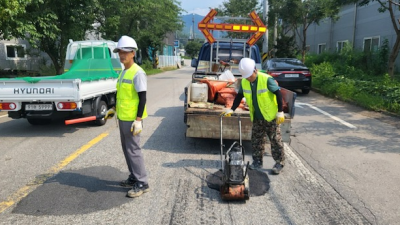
(3,116)
(299,104)
(300,168)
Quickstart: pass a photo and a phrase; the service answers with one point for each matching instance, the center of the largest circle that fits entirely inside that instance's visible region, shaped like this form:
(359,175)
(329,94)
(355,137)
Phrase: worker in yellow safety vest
(264,99)
(131,109)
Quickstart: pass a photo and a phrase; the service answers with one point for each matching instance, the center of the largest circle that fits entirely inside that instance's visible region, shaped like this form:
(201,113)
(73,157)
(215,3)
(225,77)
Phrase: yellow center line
(24,191)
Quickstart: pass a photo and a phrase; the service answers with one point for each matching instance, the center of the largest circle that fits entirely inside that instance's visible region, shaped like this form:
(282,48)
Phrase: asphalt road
(341,168)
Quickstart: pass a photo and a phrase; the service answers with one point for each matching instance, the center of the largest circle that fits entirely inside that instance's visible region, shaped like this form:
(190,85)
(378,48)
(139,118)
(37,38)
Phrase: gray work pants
(132,151)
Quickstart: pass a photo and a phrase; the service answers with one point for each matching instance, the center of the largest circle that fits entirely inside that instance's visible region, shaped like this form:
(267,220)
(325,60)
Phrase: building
(17,54)
(362,26)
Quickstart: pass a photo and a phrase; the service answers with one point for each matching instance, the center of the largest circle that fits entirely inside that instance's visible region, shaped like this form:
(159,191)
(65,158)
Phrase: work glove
(109,114)
(136,127)
(280,117)
(227,113)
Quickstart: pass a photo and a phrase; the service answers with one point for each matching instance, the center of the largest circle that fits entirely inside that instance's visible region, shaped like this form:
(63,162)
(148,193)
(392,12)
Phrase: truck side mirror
(139,61)
(138,57)
(194,62)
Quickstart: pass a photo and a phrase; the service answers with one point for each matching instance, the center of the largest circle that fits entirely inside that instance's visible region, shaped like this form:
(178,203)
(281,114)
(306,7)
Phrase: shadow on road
(74,192)
(22,128)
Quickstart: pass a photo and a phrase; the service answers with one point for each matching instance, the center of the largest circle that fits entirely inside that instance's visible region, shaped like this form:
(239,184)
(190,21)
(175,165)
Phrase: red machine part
(233,192)
(84,119)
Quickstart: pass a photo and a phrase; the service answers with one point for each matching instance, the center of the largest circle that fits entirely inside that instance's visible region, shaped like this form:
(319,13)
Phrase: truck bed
(203,119)
(73,90)
(205,123)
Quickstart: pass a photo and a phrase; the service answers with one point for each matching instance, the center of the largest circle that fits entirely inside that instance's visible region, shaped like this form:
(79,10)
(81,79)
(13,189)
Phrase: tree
(147,21)
(48,25)
(300,14)
(390,6)
(192,48)
(239,10)
(10,11)
(286,46)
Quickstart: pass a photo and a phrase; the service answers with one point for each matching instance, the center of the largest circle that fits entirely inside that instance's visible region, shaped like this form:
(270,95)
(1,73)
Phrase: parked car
(290,73)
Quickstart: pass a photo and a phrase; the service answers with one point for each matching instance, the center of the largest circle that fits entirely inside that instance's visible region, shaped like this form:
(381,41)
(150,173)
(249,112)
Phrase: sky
(201,7)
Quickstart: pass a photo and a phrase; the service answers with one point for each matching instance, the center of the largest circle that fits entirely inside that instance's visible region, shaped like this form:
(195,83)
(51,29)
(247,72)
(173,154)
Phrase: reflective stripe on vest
(266,100)
(127,97)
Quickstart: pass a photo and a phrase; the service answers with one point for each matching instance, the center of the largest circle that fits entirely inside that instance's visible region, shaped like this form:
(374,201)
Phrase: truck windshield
(229,53)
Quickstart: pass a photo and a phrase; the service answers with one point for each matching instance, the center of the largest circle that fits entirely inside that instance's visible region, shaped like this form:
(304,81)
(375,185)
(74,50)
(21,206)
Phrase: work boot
(277,168)
(257,164)
(138,189)
(128,182)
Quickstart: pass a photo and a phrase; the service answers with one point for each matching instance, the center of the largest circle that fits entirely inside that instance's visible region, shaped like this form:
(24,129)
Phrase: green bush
(372,64)
(357,77)
(322,73)
(192,48)
(346,89)
(369,101)
(147,65)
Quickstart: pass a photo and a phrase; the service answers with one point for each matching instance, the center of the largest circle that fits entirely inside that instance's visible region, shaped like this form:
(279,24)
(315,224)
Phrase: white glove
(109,114)
(136,127)
(280,117)
(227,113)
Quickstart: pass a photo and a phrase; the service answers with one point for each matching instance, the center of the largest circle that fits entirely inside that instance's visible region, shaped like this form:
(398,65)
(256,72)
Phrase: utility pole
(265,15)
(275,34)
(193,26)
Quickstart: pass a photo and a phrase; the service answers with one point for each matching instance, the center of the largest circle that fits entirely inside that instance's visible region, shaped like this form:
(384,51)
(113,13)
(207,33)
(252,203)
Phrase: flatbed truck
(87,90)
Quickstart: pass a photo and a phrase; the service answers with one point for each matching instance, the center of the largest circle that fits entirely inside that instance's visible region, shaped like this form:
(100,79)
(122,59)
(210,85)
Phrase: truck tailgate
(91,89)
(205,123)
(44,90)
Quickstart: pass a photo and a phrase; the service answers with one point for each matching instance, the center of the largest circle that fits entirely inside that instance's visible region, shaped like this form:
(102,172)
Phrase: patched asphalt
(76,192)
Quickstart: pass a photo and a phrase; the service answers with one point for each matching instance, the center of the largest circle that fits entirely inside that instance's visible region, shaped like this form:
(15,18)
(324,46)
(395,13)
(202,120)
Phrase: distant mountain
(191,21)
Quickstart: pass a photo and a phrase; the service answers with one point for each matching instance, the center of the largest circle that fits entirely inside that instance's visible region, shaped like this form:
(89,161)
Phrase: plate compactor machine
(235,180)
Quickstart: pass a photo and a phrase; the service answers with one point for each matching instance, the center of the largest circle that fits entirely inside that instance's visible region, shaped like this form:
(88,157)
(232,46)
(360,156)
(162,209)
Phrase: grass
(156,71)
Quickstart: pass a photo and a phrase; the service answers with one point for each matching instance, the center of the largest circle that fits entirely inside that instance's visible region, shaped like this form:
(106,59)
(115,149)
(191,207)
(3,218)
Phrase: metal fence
(167,61)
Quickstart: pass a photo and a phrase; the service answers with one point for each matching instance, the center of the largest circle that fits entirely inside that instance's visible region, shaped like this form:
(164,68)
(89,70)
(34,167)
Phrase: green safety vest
(266,100)
(127,97)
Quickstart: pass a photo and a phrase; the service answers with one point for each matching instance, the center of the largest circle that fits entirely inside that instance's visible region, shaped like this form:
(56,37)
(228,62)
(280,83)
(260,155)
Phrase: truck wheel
(39,121)
(305,91)
(101,110)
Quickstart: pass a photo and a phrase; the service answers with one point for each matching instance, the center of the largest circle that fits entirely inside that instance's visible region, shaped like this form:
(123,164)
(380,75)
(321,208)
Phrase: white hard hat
(126,44)
(246,67)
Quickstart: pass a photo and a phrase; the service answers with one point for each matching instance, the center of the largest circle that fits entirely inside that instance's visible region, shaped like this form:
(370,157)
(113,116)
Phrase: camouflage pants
(261,129)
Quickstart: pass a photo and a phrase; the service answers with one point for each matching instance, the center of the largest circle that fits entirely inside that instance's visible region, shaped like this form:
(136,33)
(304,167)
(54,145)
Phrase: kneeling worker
(264,99)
